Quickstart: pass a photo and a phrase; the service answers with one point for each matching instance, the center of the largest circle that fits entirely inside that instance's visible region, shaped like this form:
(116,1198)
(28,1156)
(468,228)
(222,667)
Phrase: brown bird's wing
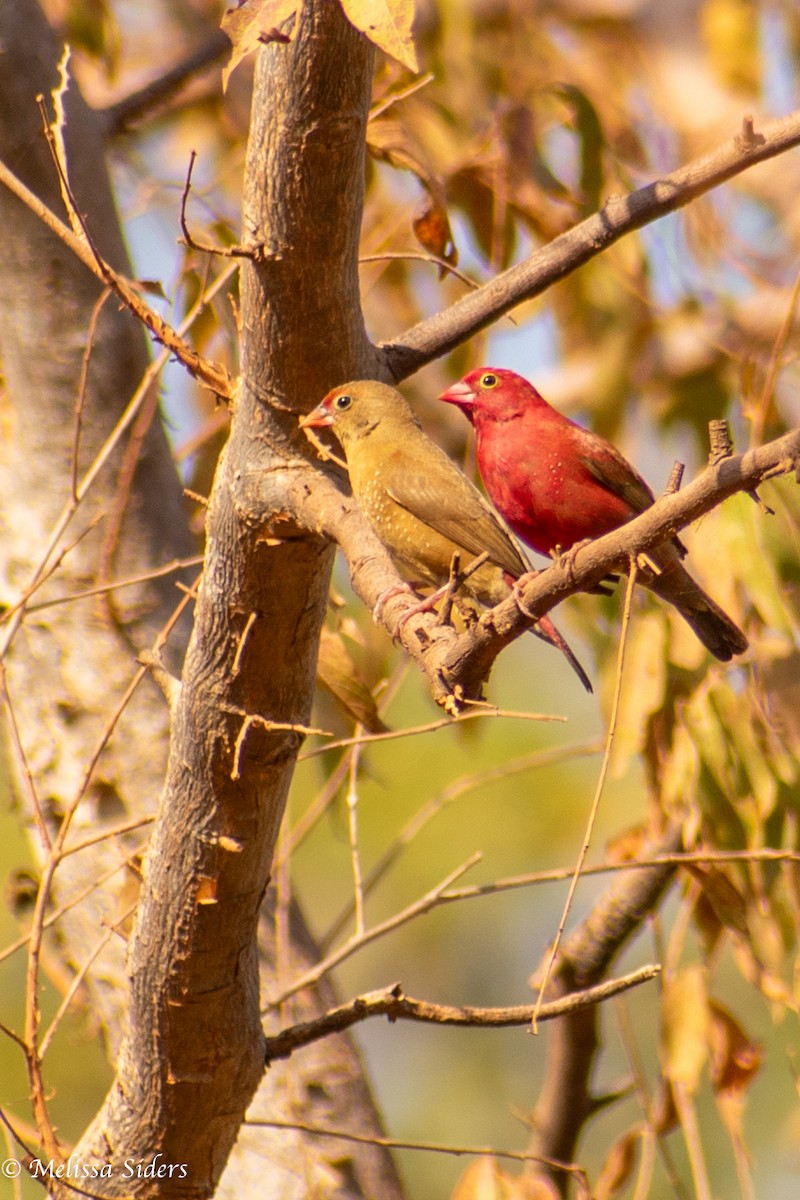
(616,475)
(613,472)
(444,499)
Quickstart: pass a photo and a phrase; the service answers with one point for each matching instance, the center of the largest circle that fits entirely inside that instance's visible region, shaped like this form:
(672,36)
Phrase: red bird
(557,484)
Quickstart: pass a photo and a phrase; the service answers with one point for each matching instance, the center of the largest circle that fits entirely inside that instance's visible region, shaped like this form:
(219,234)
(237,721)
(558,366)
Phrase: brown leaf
(735,1060)
(618,1167)
(390,142)
(664,1114)
(723,896)
(250,24)
(339,675)
(431,227)
(387,23)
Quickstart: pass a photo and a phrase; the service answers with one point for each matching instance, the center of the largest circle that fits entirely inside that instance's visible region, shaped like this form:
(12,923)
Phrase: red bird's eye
(343,402)
(489,380)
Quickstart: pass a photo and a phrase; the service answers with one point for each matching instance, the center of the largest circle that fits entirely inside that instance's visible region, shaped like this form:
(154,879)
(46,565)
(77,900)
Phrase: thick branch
(620,215)
(194,1053)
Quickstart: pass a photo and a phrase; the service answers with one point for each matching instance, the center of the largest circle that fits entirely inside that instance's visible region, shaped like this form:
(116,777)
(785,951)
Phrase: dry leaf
(685,1023)
(725,899)
(485,1180)
(664,1114)
(482,1180)
(431,227)
(735,1060)
(338,674)
(251,24)
(387,23)
(618,1167)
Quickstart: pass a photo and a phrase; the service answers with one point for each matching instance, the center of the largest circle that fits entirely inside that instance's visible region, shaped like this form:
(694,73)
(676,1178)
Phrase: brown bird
(421,506)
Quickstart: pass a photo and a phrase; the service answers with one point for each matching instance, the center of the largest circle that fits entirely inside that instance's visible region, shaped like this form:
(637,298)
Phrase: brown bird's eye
(343,402)
(489,380)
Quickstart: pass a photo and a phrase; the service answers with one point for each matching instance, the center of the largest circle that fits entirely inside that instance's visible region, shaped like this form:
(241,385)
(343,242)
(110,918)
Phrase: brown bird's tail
(713,627)
(546,630)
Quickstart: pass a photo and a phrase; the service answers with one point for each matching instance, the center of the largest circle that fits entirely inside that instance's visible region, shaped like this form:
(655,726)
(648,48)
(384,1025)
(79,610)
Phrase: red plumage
(556,483)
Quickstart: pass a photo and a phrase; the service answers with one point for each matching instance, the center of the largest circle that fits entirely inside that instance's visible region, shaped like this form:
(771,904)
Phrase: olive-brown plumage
(421,506)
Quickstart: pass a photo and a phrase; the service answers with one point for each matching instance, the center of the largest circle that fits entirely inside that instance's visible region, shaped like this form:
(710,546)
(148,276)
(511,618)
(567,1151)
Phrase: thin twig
(351,800)
(418,256)
(394,1004)
(424,905)
(126,419)
(383,105)
(177,564)
(453,792)
(94,319)
(429,1147)
(212,375)
(76,982)
(251,252)
(601,780)
(389,735)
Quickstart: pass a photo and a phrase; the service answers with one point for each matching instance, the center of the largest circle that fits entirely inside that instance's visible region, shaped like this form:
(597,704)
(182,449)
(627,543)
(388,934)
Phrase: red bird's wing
(450,505)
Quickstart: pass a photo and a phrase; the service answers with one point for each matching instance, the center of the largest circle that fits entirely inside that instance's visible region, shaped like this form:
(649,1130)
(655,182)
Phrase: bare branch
(619,216)
(394,1004)
(211,374)
(160,91)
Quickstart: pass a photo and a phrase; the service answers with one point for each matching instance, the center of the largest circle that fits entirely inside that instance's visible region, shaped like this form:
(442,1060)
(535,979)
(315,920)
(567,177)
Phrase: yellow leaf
(730,31)
(685,1024)
(485,1180)
(482,1180)
(250,25)
(387,23)
(644,687)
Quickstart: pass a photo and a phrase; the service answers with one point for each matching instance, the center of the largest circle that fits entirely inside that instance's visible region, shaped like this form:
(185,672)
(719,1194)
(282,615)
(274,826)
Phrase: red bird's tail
(712,626)
(546,630)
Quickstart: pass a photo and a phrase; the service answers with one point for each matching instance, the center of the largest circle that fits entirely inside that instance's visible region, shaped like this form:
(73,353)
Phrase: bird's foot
(566,558)
(384,597)
(517,588)
(422,606)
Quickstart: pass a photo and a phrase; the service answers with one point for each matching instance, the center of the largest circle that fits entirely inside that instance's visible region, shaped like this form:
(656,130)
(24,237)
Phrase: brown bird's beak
(460,393)
(319,416)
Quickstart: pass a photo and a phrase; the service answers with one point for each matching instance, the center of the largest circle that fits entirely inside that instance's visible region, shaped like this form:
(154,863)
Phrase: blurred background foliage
(528,115)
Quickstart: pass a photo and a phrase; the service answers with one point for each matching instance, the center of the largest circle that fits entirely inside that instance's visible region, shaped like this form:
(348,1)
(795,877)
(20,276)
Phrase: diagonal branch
(619,216)
(211,374)
(457,664)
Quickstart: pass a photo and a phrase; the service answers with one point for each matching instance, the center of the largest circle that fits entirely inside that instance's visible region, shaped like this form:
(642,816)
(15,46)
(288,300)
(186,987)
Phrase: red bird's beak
(321,415)
(460,393)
